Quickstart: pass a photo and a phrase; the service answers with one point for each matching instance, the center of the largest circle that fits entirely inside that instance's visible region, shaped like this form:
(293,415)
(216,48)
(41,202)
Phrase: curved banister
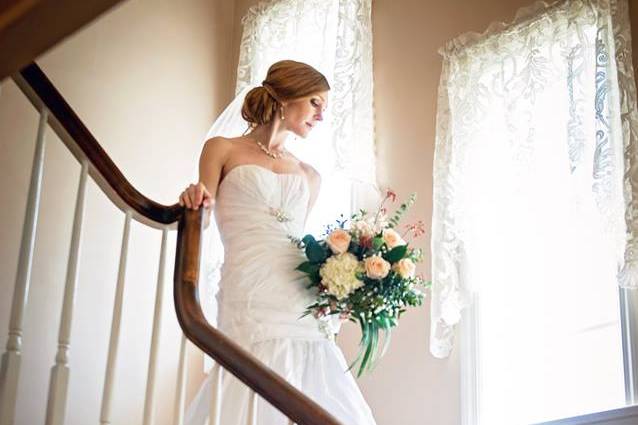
(67,125)
(79,140)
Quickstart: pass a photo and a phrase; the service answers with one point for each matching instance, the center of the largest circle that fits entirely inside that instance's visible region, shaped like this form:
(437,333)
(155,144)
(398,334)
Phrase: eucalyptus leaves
(364,271)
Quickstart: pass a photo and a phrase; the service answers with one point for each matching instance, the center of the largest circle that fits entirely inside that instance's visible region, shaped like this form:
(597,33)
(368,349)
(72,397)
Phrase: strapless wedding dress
(260,299)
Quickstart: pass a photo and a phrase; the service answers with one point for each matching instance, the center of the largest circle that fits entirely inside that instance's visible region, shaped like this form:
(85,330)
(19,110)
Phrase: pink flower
(338,241)
(365,241)
(376,267)
(418,228)
(392,238)
(391,194)
(405,267)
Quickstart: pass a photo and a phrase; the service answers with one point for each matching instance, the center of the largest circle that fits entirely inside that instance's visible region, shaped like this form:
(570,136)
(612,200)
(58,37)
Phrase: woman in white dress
(260,194)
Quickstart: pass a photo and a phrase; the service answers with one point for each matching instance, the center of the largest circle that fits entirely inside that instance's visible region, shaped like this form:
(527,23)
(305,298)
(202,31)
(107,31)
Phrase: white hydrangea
(339,274)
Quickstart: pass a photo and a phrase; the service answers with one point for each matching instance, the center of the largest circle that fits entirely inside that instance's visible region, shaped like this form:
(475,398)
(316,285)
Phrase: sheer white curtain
(534,219)
(334,36)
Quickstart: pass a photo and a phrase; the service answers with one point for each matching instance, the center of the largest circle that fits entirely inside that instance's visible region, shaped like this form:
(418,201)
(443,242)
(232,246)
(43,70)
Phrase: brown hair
(286,80)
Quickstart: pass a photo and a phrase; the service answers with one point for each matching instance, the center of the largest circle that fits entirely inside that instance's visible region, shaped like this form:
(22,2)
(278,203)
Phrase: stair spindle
(105,413)
(180,392)
(59,384)
(216,395)
(252,409)
(157,321)
(11,359)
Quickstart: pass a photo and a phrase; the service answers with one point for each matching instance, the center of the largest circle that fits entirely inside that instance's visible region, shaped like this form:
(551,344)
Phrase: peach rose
(338,241)
(392,238)
(376,267)
(405,267)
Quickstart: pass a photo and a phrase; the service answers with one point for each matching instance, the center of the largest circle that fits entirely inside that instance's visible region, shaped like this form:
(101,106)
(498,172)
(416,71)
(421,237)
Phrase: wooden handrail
(68,126)
(83,145)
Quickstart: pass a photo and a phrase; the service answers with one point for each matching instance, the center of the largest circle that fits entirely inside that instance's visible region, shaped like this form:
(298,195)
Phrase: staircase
(16,19)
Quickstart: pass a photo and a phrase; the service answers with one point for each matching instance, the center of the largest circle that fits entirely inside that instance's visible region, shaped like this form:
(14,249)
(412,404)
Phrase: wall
(147,78)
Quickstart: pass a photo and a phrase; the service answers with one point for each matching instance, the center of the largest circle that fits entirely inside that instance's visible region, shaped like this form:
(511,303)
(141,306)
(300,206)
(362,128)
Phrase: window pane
(537,253)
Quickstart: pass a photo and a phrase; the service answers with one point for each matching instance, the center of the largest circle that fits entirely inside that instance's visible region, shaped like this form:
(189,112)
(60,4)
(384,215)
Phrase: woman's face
(301,115)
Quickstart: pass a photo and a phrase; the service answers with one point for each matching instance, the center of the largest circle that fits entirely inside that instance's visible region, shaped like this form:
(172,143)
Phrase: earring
(281,109)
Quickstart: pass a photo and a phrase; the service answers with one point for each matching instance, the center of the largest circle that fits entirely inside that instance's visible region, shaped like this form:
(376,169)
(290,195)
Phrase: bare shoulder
(217,146)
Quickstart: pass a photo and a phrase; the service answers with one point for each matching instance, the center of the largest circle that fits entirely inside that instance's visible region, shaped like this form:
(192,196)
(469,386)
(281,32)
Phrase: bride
(260,194)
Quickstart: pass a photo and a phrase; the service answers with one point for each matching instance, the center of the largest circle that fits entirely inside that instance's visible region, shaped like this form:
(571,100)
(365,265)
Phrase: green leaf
(315,277)
(308,267)
(315,252)
(377,243)
(396,253)
(373,334)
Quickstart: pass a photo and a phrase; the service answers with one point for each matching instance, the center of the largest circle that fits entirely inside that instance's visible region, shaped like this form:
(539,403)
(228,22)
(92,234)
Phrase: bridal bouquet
(364,271)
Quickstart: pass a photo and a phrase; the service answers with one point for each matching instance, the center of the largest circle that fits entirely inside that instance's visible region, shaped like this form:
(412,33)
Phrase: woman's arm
(211,162)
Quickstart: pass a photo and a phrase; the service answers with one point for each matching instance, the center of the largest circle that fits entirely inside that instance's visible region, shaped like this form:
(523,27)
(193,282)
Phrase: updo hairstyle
(286,80)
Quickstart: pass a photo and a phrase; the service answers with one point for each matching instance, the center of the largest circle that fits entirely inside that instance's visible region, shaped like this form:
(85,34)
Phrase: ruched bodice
(261,294)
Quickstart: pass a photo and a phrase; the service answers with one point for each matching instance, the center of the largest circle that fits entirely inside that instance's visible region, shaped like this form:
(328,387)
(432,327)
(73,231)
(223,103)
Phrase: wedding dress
(261,297)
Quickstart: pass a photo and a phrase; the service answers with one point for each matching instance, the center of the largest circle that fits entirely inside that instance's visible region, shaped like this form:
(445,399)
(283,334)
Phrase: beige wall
(147,79)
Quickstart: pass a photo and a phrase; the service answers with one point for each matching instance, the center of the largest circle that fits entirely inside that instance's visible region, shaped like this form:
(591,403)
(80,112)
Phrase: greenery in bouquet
(364,271)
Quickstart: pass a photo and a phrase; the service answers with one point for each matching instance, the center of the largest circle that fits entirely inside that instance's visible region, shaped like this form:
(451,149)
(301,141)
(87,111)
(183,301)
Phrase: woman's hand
(194,196)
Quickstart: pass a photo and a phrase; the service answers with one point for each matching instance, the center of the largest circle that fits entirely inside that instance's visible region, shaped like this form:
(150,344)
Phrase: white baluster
(178,411)
(216,395)
(252,409)
(10,366)
(58,387)
(105,413)
(157,321)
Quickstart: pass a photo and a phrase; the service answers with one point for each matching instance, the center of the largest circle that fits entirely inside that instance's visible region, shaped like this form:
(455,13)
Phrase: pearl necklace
(268,151)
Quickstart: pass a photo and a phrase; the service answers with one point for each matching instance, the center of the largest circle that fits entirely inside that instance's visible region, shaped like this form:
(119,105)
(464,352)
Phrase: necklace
(268,152)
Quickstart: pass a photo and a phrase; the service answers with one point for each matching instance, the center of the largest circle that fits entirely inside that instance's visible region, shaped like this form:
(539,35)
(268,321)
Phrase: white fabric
(556,83)
(261,297)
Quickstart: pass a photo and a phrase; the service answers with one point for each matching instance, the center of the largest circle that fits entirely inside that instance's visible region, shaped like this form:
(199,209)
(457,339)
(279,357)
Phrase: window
(529,218)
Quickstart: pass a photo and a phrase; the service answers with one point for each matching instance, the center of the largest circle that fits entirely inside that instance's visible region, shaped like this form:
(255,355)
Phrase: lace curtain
(547,101)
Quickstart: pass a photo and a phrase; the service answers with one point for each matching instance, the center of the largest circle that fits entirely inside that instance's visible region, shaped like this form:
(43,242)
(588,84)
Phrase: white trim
(628,298)
(623,416)
(469,370)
